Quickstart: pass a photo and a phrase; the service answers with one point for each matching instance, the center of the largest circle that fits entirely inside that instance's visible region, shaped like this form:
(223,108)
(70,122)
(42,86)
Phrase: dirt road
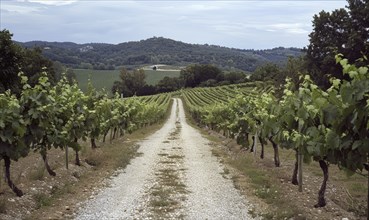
(176,177)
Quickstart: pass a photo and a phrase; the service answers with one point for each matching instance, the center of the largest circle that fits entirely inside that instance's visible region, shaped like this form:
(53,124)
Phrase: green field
(105,78)
(154,76)
(100,78)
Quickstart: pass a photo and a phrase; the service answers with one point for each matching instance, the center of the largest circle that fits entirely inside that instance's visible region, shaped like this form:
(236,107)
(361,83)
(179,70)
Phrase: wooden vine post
(301,127)
(299,161)
(256,142)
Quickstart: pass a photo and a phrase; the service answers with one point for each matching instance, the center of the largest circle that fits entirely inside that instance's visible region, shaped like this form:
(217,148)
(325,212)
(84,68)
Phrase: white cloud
(198,7)
(291,28)
(20,8)
(53,2)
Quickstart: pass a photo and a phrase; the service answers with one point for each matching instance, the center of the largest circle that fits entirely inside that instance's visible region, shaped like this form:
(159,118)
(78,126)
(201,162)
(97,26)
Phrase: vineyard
(329,127)
(198,100)
(61,116)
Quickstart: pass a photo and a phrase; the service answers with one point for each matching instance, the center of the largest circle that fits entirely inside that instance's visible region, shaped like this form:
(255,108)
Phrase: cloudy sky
(240,24)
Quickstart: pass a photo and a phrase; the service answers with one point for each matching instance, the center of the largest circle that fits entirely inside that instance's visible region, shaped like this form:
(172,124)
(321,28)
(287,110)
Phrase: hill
(156,50)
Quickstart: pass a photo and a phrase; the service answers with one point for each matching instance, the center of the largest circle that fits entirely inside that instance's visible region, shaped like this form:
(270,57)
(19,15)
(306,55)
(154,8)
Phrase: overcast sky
(238,24)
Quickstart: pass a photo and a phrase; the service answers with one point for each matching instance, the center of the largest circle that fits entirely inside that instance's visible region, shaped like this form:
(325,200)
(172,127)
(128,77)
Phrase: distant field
(154,76)
(100,78)
(105,78)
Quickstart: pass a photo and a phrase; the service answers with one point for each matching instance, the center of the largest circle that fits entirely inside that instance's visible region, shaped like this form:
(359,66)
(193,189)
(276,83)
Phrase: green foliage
(39,111)
(353,128)
(12,127)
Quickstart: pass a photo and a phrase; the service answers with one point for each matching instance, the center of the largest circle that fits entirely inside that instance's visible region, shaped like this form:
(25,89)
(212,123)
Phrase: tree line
(195,75)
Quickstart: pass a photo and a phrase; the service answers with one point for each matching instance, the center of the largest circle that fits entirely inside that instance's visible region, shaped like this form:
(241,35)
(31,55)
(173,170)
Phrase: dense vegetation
(344,31)
(158,50)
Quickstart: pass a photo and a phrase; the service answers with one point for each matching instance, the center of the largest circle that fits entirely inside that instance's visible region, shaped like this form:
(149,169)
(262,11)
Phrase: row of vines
(328,126)
(45,116)
(197,100)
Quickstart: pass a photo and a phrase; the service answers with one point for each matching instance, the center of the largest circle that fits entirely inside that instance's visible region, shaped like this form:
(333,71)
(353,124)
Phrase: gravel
(198,191)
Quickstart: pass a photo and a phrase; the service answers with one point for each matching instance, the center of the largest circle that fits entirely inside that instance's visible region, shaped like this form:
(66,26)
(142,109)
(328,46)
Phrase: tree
(235,77)
(84,65)
(138,79)
(188,77)
(168,84)
(60,69)
(131,82)
(147,90)
(71,75)
(266,72)
(294,69)
(341,31)
(193,75)
(33,64)
(14,59)
(10,57)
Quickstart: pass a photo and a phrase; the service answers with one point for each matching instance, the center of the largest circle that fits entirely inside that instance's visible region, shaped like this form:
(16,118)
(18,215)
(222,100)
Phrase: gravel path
(176,177)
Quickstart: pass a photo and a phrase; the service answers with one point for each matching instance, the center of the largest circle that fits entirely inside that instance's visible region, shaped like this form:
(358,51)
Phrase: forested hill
(158,50)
